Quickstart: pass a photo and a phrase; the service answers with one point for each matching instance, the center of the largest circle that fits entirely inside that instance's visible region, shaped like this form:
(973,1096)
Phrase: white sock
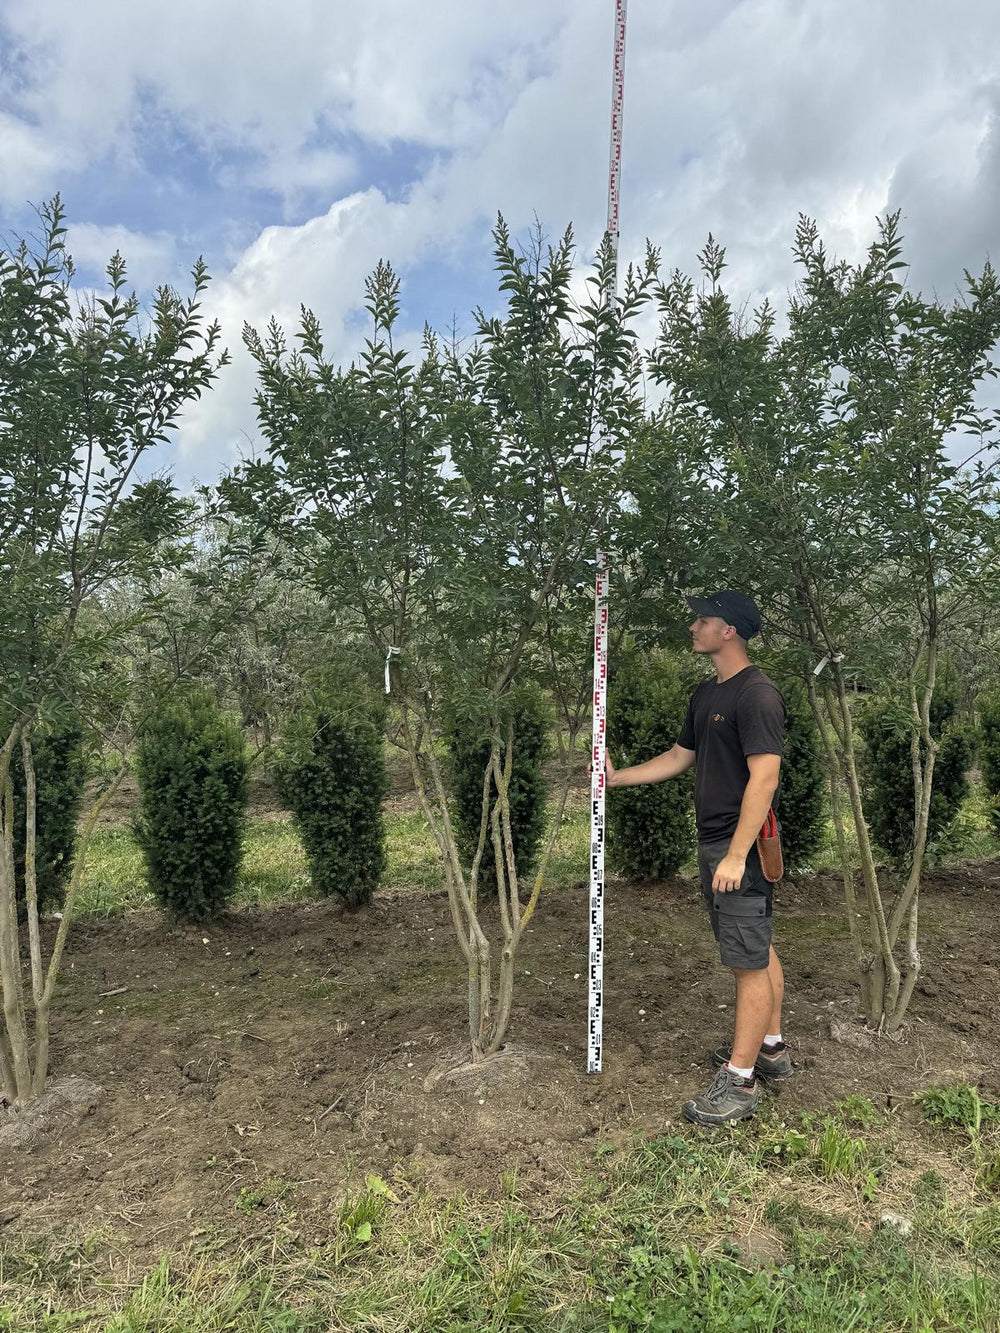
(743,1073)
(771,1039)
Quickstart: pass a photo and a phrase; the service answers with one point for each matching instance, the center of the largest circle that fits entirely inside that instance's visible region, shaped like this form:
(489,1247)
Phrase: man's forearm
(668,765)
(757,800)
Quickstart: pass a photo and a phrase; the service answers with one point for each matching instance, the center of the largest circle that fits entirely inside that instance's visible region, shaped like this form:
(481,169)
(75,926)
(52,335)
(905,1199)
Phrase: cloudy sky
(295,145)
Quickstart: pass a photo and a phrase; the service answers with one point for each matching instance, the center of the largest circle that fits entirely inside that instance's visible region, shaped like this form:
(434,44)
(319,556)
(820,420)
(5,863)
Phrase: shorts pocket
(743,905)
(744,930)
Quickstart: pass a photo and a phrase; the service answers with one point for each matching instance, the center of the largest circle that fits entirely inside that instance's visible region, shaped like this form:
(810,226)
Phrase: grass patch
(975,1125)
(414,860)
(655,1237)
(412,856)
(114,875)
(973,833)
(274,864)
(265,1194)
(275,868)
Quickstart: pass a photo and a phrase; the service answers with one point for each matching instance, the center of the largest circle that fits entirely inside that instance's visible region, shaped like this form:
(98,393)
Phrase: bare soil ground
(294,1043)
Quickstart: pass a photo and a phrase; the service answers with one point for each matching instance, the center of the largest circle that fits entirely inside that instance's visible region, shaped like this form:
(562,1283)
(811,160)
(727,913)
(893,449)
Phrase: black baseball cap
(735,608)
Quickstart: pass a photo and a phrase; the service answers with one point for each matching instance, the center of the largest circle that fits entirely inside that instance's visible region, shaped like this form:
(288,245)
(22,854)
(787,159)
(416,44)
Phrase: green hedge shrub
(60,771)
(887,773)
(193,792)
(802,800)
(528,793)
(331,775)
(650,829)
(988,737)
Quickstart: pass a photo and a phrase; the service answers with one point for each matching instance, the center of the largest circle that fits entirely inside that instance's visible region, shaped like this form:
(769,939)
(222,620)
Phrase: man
(733,736)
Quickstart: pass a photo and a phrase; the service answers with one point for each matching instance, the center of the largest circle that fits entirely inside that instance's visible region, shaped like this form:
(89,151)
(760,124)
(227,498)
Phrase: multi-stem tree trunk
(489,1011)
(16,1072)
(863,955)
(24,1048)
(887,981)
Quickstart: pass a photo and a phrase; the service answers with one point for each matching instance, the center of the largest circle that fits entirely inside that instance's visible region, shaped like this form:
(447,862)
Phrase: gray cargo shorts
(741,919)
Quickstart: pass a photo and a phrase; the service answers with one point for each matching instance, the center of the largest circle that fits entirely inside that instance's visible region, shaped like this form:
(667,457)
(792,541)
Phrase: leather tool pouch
(772,861)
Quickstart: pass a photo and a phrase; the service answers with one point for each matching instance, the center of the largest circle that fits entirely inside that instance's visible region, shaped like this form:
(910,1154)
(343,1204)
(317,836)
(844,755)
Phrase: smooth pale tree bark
(17,1065)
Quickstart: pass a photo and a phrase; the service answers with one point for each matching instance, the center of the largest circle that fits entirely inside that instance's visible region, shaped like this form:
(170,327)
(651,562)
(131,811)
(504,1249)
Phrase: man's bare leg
(778,987)
(757,992)
(754,1008)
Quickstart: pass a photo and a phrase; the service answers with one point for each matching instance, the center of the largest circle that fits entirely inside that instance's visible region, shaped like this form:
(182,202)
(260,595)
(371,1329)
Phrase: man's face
(708,634)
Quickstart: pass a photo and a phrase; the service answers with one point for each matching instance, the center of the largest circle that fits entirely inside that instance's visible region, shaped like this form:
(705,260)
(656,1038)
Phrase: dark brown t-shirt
(744,715)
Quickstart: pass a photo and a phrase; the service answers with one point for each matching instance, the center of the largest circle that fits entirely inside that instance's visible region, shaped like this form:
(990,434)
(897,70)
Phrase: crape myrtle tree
(86,393)
(841,499)
(450,504)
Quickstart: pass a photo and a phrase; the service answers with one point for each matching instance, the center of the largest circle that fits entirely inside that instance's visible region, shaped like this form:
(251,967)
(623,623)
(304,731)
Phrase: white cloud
(320,264)
(28,160)
(302,174)
(738,117)
(152,259)
(242,74)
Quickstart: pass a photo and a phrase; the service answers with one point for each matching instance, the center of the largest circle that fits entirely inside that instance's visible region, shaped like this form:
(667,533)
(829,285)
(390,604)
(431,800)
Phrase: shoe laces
(722,1085)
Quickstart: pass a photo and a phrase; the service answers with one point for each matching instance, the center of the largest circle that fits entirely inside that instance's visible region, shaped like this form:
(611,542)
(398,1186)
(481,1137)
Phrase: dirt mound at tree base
(65,1102)
(511,1068)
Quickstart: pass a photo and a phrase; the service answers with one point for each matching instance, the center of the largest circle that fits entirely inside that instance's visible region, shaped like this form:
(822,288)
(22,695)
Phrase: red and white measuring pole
(598,787)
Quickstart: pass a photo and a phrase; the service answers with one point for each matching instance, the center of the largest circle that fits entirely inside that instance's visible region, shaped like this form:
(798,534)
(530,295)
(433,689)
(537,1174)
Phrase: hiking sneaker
(730,1098)
(773,1062)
